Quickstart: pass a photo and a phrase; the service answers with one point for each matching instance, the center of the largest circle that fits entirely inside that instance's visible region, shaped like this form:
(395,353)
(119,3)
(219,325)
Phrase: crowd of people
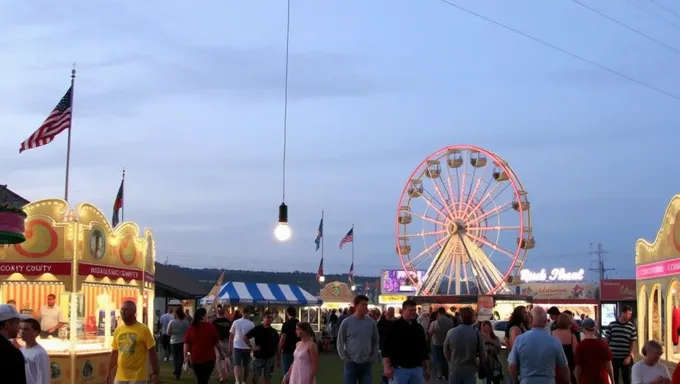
(541,346)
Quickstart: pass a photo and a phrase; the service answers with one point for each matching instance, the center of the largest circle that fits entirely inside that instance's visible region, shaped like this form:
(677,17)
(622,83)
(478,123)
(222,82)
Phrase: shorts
(264,367)
(241,357)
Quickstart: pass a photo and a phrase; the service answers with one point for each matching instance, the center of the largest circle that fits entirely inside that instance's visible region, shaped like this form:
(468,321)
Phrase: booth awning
(235,293)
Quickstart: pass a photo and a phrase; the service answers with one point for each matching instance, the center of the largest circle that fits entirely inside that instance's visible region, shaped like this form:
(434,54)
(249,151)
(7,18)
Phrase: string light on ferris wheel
(282,231)
(460,210)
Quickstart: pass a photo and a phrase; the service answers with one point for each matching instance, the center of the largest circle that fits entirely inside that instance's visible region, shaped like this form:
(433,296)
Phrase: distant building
(11,198)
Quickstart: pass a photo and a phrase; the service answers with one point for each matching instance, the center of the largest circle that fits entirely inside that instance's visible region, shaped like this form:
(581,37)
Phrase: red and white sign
(35,269)
(95,270)
(658,269)
(618,290)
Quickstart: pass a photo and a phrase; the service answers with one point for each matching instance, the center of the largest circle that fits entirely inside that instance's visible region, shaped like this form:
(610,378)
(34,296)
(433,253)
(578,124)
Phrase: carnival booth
(74,264)
(563,289)
(498,307)
(657,273)
(614,294)
(336,295)
(271,297)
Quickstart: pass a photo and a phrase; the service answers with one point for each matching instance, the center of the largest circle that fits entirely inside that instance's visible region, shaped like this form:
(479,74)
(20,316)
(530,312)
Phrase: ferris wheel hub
(454,227)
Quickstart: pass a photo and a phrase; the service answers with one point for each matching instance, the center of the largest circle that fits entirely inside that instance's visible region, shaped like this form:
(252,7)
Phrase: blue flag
(319,235)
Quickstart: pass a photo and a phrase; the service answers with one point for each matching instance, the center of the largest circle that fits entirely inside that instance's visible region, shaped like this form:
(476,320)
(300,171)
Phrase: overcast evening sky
(189,99)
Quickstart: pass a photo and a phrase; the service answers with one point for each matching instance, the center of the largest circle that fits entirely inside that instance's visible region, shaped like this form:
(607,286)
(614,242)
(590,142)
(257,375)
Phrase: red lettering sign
(618,290)
(35,269)
(85,269)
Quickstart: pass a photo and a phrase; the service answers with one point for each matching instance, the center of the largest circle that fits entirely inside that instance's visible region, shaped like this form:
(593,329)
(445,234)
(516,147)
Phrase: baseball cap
(8,312)
(588,323)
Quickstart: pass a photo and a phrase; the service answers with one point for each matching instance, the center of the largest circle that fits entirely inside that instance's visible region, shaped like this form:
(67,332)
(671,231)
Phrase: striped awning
(236,293)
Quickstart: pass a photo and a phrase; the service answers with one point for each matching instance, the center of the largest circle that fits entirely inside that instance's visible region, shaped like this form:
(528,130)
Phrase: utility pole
(600,253)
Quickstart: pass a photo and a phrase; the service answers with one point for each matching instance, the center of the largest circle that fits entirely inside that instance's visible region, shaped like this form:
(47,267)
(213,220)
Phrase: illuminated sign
(557,274)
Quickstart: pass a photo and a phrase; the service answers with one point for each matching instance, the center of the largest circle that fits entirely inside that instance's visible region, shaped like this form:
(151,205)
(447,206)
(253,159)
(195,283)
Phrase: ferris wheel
(463,221)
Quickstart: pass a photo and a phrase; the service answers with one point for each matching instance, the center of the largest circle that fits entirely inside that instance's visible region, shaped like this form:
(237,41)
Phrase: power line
(547,44)
(647,11)
(672,12)
(613,20)
(600,269)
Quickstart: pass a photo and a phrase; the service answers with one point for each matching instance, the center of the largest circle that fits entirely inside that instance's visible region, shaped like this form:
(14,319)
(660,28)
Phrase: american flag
(350,276)
(349,238)
(57,122)
(319,273)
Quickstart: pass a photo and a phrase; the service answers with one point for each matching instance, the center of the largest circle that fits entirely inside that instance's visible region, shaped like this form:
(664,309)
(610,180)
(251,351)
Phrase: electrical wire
(672,12)
(285,104)
(647,11)
(547,44)
(613,20)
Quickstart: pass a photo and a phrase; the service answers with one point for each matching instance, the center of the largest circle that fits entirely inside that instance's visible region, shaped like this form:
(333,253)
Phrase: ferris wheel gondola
(465,219)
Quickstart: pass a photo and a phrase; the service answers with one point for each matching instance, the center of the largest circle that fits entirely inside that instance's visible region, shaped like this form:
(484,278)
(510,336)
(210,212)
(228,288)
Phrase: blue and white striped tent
(235,293)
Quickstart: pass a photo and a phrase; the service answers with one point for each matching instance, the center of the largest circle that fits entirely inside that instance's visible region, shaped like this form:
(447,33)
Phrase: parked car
(499,327)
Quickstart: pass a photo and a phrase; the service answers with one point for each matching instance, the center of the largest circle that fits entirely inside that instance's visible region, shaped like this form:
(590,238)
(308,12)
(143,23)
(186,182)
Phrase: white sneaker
(165,359)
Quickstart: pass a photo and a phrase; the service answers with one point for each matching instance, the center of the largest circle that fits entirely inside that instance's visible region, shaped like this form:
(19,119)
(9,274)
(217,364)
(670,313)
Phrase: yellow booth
(657,271)
(72,260)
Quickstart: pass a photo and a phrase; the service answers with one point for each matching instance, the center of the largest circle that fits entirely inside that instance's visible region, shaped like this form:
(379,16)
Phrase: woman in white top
(37,362)
(649,370)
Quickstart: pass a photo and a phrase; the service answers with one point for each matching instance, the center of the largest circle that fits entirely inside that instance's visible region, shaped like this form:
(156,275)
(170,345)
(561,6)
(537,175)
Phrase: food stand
(498,306)
(657,272)
(614,294)
(90,268)
(336,295)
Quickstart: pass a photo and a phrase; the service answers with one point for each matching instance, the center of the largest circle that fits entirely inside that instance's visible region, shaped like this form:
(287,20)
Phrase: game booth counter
(657,272)
(72,255)
(614,295)
(498,307)
(577,297)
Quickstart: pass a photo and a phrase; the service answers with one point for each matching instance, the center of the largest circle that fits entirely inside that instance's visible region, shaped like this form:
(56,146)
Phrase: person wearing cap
(11,359)
(592,357)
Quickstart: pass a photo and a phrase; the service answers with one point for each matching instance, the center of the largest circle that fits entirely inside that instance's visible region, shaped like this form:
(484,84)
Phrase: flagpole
(322,236)
(68,140)
(122,209)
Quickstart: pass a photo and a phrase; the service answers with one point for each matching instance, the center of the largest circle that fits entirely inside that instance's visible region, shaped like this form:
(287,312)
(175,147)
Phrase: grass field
(330,372)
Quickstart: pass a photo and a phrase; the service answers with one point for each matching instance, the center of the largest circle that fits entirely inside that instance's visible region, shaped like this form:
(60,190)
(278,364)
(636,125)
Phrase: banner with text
(542,291)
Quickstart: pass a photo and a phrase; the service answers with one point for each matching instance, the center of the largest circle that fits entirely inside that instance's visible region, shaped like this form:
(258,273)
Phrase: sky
(190,100)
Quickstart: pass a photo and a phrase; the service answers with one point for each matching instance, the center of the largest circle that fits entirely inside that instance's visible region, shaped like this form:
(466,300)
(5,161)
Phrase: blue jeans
(286,362)
(357,372)
(463,379)
(409,375)
(439,360)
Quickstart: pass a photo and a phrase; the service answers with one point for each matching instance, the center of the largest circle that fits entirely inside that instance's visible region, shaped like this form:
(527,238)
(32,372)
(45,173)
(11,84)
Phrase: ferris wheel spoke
(471,196)
(497,228)
(499,193)
(490,245)
(429,203)
(452,196)
(428,218)
(461,190)
(478,206)
(427,250)
(441,196)
(500,208)
(423,233)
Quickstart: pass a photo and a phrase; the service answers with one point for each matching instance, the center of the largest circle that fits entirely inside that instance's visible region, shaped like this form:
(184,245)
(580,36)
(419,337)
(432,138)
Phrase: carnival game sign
(35,268)
(659,269)
(542,291)
(618,290)
(556,274)
(100,271)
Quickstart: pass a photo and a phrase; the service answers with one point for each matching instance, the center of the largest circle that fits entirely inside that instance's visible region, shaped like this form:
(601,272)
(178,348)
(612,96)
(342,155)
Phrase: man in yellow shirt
(133,350)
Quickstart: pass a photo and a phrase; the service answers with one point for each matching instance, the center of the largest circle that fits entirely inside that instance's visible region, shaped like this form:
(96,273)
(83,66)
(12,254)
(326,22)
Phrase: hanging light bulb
(282,231)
